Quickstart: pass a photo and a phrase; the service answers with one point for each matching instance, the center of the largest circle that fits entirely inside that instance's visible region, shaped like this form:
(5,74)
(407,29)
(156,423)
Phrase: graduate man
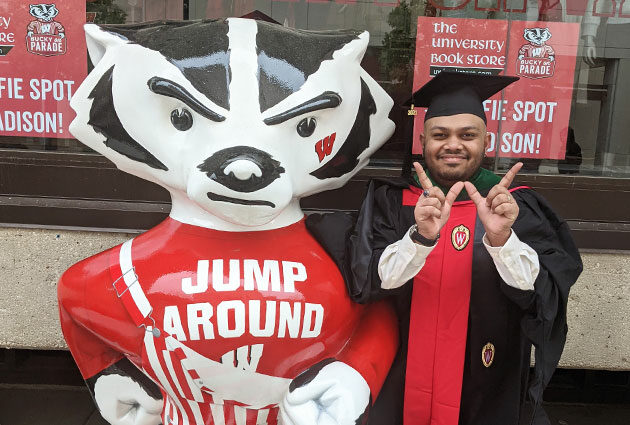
(478,268)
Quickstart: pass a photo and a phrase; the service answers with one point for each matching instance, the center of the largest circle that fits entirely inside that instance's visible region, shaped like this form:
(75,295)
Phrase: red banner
(42,61)
(531,119)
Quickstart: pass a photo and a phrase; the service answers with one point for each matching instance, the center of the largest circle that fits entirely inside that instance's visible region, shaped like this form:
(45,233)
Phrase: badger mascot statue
(228,312)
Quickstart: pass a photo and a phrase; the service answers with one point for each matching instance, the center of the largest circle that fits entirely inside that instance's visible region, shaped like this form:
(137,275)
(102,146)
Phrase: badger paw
(126,397)
(328,393)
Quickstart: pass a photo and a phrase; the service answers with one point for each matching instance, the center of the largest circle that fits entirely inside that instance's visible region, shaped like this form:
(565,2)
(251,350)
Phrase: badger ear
(98,41)
(356,48)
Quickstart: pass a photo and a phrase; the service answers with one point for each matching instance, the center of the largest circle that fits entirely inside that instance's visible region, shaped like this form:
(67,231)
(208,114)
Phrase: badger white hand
(329,393)
(122,401)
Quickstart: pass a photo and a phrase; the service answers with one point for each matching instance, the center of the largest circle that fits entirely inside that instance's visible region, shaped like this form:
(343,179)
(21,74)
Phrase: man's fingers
(502,209)
(473,193)
(506,181)
(433,193)
(422,176)
(454,192)
(450,198)
(494,192)
(428,211)
(501,198)
(435,212)
(429,202)
(507,209)
(436,192)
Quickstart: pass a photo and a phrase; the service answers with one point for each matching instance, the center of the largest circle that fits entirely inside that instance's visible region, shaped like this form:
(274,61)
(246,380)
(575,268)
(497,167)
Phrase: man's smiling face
(453,147)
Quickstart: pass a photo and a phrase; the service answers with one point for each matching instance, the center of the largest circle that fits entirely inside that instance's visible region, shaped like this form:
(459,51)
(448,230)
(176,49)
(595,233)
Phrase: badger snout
(242,168)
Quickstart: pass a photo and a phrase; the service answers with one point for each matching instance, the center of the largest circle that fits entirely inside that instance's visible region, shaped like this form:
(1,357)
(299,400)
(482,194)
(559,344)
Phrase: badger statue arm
(123,394)
(341,391)
(329,392)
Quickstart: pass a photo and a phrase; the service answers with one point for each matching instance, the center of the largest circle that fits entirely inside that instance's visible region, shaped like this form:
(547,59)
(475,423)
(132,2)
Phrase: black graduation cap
(451,93)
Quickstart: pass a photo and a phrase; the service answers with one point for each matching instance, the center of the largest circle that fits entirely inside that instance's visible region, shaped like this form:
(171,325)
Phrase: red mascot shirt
(226,318)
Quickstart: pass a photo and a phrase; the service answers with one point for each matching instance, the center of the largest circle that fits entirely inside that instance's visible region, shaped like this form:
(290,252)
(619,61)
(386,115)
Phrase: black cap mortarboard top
(452,93)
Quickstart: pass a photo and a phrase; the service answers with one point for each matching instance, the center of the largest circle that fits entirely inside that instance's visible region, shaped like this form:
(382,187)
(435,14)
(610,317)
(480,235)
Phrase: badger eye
(306,127)
(181,120)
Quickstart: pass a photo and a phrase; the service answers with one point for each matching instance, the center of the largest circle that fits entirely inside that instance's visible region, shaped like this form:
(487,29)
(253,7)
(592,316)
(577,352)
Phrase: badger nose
(242,168)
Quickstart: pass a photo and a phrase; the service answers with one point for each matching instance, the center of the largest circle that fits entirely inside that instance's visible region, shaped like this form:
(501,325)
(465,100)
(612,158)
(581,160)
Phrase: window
(595,141)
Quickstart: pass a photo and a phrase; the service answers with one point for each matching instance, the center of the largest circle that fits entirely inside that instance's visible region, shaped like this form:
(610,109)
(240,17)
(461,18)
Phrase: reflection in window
(596,137)
(596,140)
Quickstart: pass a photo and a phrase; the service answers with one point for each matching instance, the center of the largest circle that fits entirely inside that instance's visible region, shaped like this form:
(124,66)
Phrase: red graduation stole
(439,321)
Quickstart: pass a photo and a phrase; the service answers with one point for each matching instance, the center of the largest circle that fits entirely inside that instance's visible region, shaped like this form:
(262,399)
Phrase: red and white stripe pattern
(186,401)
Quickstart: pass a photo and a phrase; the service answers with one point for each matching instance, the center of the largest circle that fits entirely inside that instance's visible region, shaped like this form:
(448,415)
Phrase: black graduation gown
(510,318)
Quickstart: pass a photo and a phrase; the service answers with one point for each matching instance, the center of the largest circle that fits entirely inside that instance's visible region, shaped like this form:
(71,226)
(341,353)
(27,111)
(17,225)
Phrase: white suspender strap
(129,289)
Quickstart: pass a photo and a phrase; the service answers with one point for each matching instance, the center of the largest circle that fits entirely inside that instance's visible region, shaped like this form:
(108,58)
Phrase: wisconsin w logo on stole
(460,237)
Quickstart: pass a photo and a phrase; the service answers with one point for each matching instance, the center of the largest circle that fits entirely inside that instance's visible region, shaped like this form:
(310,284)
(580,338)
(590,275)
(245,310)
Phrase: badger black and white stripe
(166,99)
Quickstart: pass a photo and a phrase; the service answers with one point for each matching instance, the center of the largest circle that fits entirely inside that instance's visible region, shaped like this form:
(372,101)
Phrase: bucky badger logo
(228,311)
(45,36)
(536,59)
(536,48)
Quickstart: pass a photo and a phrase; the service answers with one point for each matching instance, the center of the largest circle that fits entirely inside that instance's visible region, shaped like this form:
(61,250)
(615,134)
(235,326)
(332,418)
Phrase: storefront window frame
(85,190)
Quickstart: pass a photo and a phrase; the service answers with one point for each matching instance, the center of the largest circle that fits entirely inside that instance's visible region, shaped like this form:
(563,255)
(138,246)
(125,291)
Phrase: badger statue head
(236,118)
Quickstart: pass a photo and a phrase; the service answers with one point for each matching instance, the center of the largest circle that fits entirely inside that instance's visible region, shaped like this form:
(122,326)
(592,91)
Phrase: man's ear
(486,142)
(422,140)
